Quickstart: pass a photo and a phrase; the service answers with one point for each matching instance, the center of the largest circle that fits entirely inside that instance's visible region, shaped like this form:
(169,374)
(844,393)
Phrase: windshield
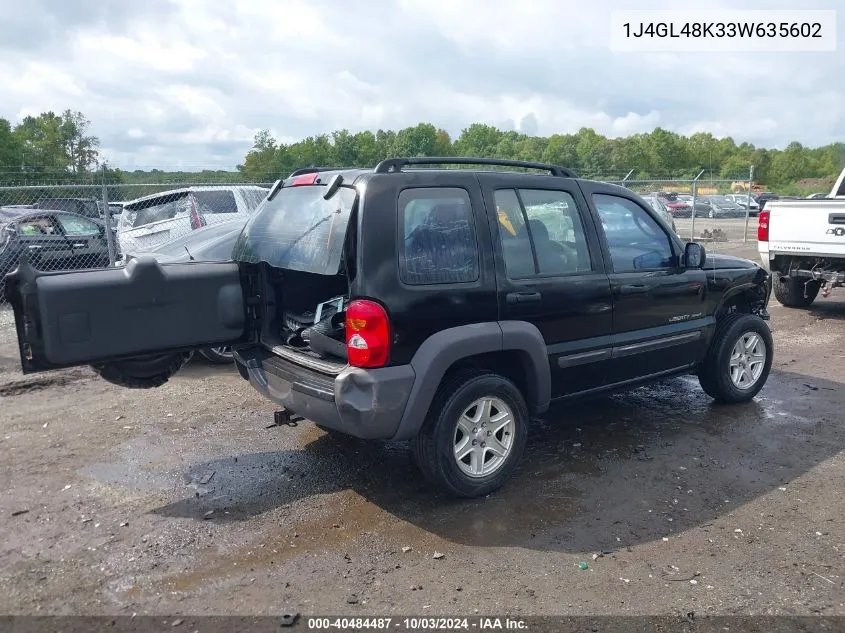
(298,230)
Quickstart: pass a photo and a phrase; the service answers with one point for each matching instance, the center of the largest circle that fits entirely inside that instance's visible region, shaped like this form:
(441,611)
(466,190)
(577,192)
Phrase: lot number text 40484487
(418,624)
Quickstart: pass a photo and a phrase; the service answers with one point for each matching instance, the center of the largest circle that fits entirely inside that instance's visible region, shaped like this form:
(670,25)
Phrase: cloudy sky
(187,83)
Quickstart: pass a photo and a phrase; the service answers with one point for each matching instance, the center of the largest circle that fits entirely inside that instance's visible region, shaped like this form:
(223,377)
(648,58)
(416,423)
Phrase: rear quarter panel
(418,311)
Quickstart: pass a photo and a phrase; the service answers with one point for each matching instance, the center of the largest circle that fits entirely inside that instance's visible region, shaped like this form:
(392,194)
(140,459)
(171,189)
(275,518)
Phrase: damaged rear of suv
(441,306)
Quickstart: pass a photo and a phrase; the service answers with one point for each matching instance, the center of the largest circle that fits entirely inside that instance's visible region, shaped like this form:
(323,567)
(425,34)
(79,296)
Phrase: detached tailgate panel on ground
(75,318)
(807,227)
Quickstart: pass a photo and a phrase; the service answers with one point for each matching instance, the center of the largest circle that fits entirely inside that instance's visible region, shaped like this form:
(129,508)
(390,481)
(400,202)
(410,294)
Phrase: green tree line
(54,147)
(657,155)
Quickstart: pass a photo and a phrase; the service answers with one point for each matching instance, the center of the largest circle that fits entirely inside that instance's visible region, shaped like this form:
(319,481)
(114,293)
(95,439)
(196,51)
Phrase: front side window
(38,226)
(635,239)
(438,237)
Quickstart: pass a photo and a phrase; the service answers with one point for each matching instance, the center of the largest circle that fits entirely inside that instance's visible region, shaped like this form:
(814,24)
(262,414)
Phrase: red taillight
(305,179)
(763,227)
(367,334)
(197,220)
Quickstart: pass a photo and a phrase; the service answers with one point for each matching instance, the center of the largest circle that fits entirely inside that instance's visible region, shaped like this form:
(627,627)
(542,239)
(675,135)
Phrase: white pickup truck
(803,243)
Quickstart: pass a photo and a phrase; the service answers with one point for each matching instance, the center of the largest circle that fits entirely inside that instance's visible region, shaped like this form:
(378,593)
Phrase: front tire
(790,291)
(739,360)
(474,434)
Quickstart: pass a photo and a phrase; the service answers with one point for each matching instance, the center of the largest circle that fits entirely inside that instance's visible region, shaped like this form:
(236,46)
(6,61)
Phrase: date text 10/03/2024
(724,29)
(418,624)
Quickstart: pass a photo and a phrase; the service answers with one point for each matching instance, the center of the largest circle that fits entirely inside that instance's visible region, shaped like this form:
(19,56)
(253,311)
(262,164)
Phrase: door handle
(633,289)
(79,245)
(35,247)
(523,297)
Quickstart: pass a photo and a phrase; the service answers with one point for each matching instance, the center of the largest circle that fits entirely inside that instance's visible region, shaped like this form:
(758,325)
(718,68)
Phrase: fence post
(694,190)
(107,221)
(748,202)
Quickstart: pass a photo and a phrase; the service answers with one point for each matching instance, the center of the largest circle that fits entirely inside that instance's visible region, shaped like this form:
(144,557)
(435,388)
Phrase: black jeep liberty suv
(417,302)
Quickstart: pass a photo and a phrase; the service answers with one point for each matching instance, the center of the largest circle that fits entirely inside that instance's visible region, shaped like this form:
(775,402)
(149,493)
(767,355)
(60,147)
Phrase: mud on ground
(180,501)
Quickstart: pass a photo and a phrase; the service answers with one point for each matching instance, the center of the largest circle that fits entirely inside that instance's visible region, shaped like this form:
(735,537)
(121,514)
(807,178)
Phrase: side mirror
(694,255)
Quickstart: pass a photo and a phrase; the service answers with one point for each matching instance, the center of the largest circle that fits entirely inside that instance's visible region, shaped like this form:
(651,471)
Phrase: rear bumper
(365,403)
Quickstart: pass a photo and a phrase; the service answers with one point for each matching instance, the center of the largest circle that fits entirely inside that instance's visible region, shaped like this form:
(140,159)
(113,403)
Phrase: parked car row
(156,219)
(65,233)
(681,205)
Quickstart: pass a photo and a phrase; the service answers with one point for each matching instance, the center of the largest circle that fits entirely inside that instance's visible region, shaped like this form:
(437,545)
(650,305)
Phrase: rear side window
(541,233)
(438,237)
(75,225)
(215,202)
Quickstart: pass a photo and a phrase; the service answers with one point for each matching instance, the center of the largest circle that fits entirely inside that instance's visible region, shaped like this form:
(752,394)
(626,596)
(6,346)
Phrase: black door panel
(551,274)
(659,307)
(76,318)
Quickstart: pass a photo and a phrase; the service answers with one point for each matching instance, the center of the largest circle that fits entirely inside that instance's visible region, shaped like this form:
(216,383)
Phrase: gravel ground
(179,500)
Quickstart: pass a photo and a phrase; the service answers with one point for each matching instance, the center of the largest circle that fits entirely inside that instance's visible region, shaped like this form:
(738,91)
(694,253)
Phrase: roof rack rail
(396,164)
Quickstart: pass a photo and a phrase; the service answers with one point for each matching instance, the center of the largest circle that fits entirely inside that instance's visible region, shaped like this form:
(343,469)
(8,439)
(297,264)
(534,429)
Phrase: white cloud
(189,82)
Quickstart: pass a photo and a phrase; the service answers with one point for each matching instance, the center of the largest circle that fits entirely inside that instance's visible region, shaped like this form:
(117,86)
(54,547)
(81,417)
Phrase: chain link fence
(85,225)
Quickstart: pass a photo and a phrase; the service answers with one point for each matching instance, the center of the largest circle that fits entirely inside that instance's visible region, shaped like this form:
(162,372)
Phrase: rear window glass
(215,202)
(164,207)
(298,230)
(439,245)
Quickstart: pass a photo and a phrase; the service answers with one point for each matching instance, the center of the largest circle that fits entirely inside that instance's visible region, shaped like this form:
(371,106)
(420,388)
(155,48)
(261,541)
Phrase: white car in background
(153,220)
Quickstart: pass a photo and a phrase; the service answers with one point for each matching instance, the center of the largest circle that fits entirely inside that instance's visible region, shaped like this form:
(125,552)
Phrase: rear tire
(790,291)
(143,372)
(468,405)
(739,360)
